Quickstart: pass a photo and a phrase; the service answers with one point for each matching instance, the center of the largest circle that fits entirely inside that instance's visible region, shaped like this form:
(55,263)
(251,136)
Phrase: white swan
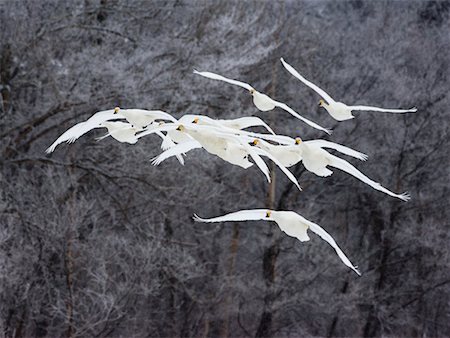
(290,154)
(291,223)
(338,110)
(262,101)
(315,159)
(120,131)
(138,118)
(78,130)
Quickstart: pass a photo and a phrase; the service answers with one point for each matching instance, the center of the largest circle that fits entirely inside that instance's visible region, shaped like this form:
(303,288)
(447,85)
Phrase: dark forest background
(96,242)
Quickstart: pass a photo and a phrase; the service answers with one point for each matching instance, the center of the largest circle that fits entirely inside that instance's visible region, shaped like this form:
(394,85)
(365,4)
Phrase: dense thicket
(94,241)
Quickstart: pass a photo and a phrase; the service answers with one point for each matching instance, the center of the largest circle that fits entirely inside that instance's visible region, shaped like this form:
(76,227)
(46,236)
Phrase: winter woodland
(96,241)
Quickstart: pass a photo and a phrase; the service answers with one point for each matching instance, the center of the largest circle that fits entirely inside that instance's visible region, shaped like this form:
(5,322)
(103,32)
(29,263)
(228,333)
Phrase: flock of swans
(229,140)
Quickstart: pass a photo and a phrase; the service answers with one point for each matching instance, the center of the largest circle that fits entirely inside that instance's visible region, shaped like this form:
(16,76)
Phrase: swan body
(315,160)
(120,131)
(222,147)
(262,101)
(338,110)
(141,118)
(288,155)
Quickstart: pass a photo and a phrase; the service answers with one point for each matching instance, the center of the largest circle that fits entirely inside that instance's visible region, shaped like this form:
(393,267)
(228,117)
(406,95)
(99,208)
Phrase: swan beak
(298,140)
(180,128)
(195,120)
(255,142)
(116,110)
(268,213)
(252,91)
(321,102)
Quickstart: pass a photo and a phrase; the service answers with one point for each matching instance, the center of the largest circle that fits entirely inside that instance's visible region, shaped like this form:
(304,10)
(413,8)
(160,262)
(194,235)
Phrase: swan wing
(178,149)
(214,76)
(78,130)
(243,215)
(385,110)
(246,122)
(342,149)
(281,166)
(295,114)
(151,129)
(318,230)
(311,85)
(258,160)
(350,169)
(160,115)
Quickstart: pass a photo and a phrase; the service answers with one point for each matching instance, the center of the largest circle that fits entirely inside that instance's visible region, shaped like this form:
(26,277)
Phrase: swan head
(268,213)
(181,128)
(116,110)
(298,140)
(321,103)
(195,120)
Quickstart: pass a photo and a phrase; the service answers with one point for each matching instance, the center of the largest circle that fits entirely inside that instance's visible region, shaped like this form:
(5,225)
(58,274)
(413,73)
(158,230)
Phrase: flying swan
(338,110)
(262,101)
(290,222)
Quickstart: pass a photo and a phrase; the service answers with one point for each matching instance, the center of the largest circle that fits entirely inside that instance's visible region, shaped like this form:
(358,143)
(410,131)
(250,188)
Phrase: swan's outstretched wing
(153,129)
(176,150)
(167,143)
(278,163)
(214,76)
(293,113)
(78,130)
(350,169)
(395,111)
(249,149)
(246,122)
(342,149)
(311,85)
(243,215)
(281,139)
(159,115)
(318,230)
(258,160)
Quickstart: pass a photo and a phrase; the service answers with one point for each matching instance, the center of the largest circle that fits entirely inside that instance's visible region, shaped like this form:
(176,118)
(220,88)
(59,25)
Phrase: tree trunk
(224,332)
(271,253)
(69,281)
